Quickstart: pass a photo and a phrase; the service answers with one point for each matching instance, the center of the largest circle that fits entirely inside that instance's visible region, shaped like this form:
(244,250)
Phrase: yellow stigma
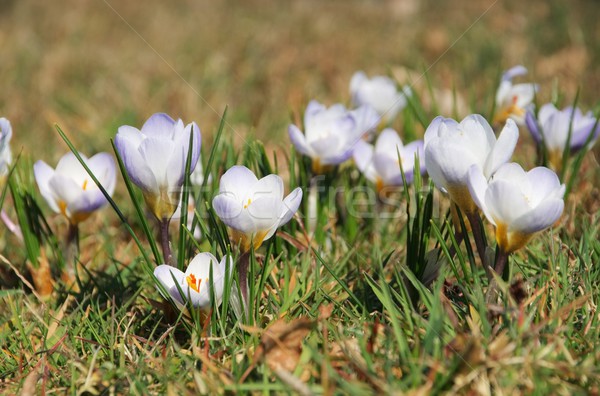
(62,205)
(248,203)
(193,283)
(85,182)
(509,110)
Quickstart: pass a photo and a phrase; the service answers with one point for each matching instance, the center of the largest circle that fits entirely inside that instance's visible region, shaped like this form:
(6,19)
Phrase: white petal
(65,189)
(159,126)
(363,157)
(43,173)
(268,186)
(540,218)
(70,166)
(238,180)
(291,203)
(544,183)
(477,187)
(229,209)
(138,171)
(503,148)
(156,154)
(505,202)
(165,274)
(299,141)
(103,167)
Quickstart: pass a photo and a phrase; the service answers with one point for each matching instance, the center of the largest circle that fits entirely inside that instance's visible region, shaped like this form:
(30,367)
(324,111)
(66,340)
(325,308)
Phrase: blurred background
(93,65)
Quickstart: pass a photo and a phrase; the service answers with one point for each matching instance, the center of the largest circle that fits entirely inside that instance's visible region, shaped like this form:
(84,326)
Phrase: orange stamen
(193,283)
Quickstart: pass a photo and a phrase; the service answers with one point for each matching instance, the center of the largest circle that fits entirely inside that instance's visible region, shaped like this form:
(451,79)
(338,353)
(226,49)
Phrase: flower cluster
(465,160)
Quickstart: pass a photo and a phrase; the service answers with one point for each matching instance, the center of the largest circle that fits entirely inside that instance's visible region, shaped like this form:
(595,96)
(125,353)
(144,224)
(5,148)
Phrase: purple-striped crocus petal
(539,218)
(196,143)
(159,125)
(43,174)
(503,148)
(134,135)
(87,202)
(515,71)
(312,109)
(237,181)
(299,141)
(580,135)
(137,169)
(532,125)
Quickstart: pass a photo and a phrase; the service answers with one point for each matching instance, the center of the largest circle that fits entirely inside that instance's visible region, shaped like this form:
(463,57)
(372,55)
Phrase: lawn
(360,292)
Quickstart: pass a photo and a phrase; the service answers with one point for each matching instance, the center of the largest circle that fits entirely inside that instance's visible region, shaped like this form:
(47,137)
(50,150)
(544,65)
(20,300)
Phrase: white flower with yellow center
(69,189)
(518,203)
(253,209)
(195,283)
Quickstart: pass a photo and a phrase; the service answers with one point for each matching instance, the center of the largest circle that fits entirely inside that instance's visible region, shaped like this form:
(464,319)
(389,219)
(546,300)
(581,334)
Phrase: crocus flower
(512,100)
(330,134)
(379,92)
(5,152)
(155,158)
(381,164)
(253,209)
(69,189)
(518,203)
(451,148)
(195,283)
(552,127)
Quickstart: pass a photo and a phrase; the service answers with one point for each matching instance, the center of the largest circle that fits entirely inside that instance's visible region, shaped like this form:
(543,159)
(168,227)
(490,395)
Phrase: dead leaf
(281,345)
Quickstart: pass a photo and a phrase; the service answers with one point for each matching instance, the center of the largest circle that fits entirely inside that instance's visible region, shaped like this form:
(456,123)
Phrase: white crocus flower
(379,92)
(552,126)
(253,209)
(195,283)
(381,163)
(330,134)
(451,148)
(155,158)
(5,152)
(512,100)
(518,203)
(69,189)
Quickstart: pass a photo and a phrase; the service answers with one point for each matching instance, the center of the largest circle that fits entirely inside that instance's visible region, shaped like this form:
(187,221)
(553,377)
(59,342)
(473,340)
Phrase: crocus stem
(479,237)
(501,261)
(72,246)
(164,240)
(243,264)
